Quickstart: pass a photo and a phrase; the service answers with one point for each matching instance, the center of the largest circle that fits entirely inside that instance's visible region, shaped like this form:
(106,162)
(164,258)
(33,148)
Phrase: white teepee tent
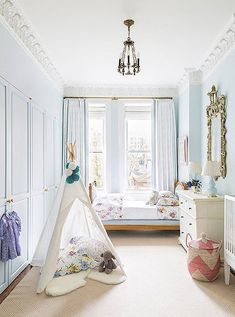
(71,215)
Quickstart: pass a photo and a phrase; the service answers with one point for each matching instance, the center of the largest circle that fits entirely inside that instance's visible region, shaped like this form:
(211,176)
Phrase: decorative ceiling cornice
(223,45)
(120,90)
(192,76)
(14,18)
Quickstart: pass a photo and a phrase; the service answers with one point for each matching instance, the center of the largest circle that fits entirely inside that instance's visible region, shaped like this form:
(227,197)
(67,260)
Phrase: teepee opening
(73,240)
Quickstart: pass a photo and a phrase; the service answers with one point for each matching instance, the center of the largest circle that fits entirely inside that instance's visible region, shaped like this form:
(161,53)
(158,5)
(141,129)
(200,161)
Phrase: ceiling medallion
(129,63)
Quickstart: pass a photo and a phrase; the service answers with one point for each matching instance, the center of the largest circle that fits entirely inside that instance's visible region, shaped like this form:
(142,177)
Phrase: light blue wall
(183,127)
(224,79)
(189,124)
(195,123)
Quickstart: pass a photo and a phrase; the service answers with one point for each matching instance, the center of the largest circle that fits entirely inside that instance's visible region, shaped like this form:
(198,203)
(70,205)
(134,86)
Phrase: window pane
(96,134)
(96,117)
(96,169)
(139,135)
(139,170)
(139,164)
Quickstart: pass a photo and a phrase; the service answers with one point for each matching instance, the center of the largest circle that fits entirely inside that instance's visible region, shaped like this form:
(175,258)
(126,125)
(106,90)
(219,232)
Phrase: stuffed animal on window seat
(153,198)
(107,265)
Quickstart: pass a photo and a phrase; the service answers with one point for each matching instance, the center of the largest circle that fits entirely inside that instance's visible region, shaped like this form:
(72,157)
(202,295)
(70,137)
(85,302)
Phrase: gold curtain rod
(116,98)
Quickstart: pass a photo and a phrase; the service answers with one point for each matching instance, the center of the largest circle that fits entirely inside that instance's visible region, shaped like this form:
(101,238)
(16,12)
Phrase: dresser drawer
(188,206)
(188,224)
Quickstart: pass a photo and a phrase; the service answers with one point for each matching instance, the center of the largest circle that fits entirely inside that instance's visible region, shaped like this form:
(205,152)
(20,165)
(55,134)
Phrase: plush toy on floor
(107,265)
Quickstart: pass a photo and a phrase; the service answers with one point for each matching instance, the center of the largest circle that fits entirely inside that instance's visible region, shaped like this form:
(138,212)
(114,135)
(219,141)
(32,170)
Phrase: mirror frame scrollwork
(217,107)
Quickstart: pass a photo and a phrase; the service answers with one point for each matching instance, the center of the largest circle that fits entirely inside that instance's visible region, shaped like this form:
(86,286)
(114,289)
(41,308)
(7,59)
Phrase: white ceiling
(84,38)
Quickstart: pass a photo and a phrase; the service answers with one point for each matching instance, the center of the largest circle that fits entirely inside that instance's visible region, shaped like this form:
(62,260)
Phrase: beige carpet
(158,285)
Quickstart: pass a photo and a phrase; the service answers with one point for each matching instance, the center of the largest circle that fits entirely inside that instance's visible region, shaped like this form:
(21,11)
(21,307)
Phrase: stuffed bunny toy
(153,198)
(107,265)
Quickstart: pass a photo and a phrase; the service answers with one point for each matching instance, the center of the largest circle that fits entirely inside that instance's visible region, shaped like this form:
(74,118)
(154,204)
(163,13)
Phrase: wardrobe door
(58,153)
(37,176)
(20,167)
(3,92)
(50,163)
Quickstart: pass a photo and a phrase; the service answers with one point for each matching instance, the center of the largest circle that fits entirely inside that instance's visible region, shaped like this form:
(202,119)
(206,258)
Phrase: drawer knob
(190,208)
(182,232)
(190,224)
(181,216)
(181,203)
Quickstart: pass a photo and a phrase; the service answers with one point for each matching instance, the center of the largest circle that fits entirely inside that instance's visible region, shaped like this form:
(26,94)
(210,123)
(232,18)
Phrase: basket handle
(220,245)
(188,235)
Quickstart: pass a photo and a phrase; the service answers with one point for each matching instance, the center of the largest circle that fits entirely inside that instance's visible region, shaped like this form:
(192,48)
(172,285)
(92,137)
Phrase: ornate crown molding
(192,76)
(120,90)
(223,45)
(14,19)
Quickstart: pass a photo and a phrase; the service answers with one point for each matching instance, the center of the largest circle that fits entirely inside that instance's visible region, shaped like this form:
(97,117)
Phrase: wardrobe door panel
(37,149)
(3,266)
(49,199)
(20,167)
(2,141)
(50,151)
(37,223)
(18,264)
(3,100)
(19,143)
(37,175)
(58,152)
(50,164)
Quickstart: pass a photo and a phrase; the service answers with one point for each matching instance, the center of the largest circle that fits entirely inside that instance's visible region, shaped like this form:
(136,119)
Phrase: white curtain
(165,147)
(75,129)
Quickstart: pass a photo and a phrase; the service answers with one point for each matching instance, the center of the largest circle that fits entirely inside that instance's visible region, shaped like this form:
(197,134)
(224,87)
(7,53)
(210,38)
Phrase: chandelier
(129,63)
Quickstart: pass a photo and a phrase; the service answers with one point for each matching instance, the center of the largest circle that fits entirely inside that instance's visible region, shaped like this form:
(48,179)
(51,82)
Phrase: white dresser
(199,213)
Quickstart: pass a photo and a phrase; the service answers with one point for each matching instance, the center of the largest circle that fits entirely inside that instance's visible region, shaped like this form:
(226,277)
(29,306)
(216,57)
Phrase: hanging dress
(10,228)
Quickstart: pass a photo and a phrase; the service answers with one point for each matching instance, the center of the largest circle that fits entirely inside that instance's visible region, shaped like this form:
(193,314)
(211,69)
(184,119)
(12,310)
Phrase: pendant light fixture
(129,63)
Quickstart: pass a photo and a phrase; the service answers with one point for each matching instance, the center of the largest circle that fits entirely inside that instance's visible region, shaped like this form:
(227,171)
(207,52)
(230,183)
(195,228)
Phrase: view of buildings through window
(138,148)
(136,153)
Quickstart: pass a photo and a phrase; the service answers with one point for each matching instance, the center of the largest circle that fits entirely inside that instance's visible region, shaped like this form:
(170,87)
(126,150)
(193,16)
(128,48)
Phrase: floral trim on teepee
(72,172)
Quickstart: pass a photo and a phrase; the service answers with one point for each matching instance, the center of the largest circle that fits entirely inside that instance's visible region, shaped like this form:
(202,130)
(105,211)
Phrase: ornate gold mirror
(216,137)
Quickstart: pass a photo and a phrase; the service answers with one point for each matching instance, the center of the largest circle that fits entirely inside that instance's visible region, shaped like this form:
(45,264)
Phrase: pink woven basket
(203,258)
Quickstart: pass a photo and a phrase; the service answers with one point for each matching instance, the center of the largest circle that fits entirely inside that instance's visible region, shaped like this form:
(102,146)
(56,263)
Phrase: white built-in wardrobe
(29,147)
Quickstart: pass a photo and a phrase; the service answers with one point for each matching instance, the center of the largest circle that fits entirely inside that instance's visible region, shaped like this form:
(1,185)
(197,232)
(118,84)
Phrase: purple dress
(10,228)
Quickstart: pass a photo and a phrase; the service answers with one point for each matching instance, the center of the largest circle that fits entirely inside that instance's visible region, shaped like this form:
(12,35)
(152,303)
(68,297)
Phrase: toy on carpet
(107,265)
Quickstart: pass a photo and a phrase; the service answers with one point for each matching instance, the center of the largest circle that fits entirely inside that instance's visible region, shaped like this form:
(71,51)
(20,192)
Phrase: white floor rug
(66,284)
(157,284)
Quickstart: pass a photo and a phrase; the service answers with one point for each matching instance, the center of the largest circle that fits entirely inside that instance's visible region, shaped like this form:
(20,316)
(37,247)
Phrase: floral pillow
(168,201)
(166,194)
(81,254)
